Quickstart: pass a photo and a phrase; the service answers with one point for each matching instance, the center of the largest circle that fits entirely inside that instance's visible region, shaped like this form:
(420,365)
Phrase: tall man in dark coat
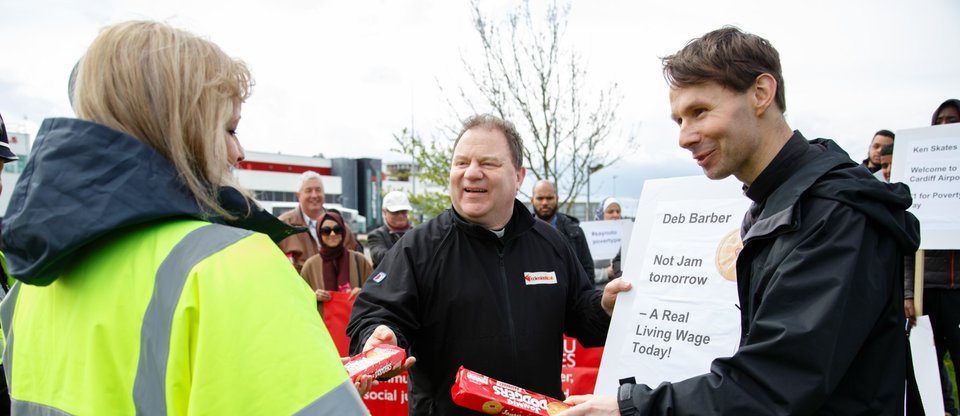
(820,274)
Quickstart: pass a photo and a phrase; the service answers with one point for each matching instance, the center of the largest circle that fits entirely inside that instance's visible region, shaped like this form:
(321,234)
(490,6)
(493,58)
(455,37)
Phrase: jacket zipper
(506,297)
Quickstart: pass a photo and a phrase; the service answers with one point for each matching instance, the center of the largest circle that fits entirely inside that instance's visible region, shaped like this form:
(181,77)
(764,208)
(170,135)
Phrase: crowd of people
(145,279)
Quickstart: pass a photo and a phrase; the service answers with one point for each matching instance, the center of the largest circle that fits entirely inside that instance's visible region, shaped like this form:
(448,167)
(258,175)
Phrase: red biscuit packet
(378,361)
(478,392)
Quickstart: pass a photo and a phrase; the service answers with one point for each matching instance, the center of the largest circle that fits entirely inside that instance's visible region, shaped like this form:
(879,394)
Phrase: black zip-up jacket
(455,294)
(570,227)
(820,281)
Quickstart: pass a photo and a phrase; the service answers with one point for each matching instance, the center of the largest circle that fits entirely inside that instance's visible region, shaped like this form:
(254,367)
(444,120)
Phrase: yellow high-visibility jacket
(181,317)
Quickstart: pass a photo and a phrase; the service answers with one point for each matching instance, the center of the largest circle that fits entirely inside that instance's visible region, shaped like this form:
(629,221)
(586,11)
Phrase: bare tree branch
(526,73)
(529,76)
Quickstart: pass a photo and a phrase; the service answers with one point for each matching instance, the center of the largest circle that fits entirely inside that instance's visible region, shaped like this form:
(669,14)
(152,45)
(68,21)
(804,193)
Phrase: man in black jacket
(880,139)
(544,201)
(483,285)
(820,273)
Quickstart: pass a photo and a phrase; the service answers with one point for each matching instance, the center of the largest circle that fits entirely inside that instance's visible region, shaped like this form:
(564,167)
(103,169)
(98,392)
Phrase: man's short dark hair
(729,57)
(885,133)
(886,150)
(491,121)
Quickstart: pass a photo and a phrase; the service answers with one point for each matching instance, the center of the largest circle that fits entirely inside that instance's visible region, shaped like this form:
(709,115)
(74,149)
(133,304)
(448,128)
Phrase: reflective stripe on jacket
(182,317)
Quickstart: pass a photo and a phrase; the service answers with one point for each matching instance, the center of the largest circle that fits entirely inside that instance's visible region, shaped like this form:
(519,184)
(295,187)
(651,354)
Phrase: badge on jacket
(540,278)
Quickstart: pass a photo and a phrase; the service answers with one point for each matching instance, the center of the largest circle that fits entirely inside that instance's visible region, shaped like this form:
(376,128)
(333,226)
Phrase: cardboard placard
(605,238)
(928,160)
(683,309)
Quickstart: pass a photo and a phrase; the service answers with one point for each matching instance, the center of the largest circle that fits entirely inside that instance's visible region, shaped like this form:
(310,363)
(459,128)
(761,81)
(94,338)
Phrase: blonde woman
(148,284)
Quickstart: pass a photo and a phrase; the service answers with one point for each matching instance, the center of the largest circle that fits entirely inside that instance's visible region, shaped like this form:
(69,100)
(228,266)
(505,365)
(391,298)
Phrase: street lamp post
(590,171)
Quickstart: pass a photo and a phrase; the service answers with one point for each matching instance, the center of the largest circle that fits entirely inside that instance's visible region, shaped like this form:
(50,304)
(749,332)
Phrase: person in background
(6,156)
(609,210)
(947,113)
(396,215)
(148,282)
(820,274)
(483,285)
(308,212)
(335,268)
(880,139)
(544,201)
(886,162)
(941,289)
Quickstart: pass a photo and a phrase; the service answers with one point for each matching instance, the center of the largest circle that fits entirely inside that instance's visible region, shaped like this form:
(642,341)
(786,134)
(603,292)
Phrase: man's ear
(521,173)
(764,92)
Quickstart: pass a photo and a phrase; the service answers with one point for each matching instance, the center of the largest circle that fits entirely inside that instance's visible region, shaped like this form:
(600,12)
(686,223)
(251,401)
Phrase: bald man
(544,201)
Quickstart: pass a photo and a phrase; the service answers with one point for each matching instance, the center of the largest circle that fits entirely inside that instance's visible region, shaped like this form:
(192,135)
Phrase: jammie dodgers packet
(478,392)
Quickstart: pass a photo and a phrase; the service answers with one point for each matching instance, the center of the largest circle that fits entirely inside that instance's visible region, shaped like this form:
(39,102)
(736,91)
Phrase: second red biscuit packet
(378,361)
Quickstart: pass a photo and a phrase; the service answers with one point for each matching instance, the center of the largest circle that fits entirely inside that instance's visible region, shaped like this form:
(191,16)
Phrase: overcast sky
(342,77)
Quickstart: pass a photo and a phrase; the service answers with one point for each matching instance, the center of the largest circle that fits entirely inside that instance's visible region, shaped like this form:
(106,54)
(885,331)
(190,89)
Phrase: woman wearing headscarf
(335,268)
(608,210)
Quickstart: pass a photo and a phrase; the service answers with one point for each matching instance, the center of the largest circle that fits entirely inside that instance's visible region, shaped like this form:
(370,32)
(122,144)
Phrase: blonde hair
(172,90)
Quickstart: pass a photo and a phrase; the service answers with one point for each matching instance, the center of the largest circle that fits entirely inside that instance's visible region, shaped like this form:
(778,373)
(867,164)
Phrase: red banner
(336,314)
(389,398)
(580,365)
(385,399)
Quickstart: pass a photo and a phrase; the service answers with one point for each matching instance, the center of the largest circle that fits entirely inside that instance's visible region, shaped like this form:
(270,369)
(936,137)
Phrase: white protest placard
(605,238)
(924,356)
(928,160)
(683,309)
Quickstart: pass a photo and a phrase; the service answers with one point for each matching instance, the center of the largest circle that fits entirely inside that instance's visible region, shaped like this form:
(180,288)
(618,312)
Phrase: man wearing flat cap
(396,209)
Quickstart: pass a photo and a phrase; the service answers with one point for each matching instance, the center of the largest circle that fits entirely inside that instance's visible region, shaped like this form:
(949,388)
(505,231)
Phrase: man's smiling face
(483,180)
